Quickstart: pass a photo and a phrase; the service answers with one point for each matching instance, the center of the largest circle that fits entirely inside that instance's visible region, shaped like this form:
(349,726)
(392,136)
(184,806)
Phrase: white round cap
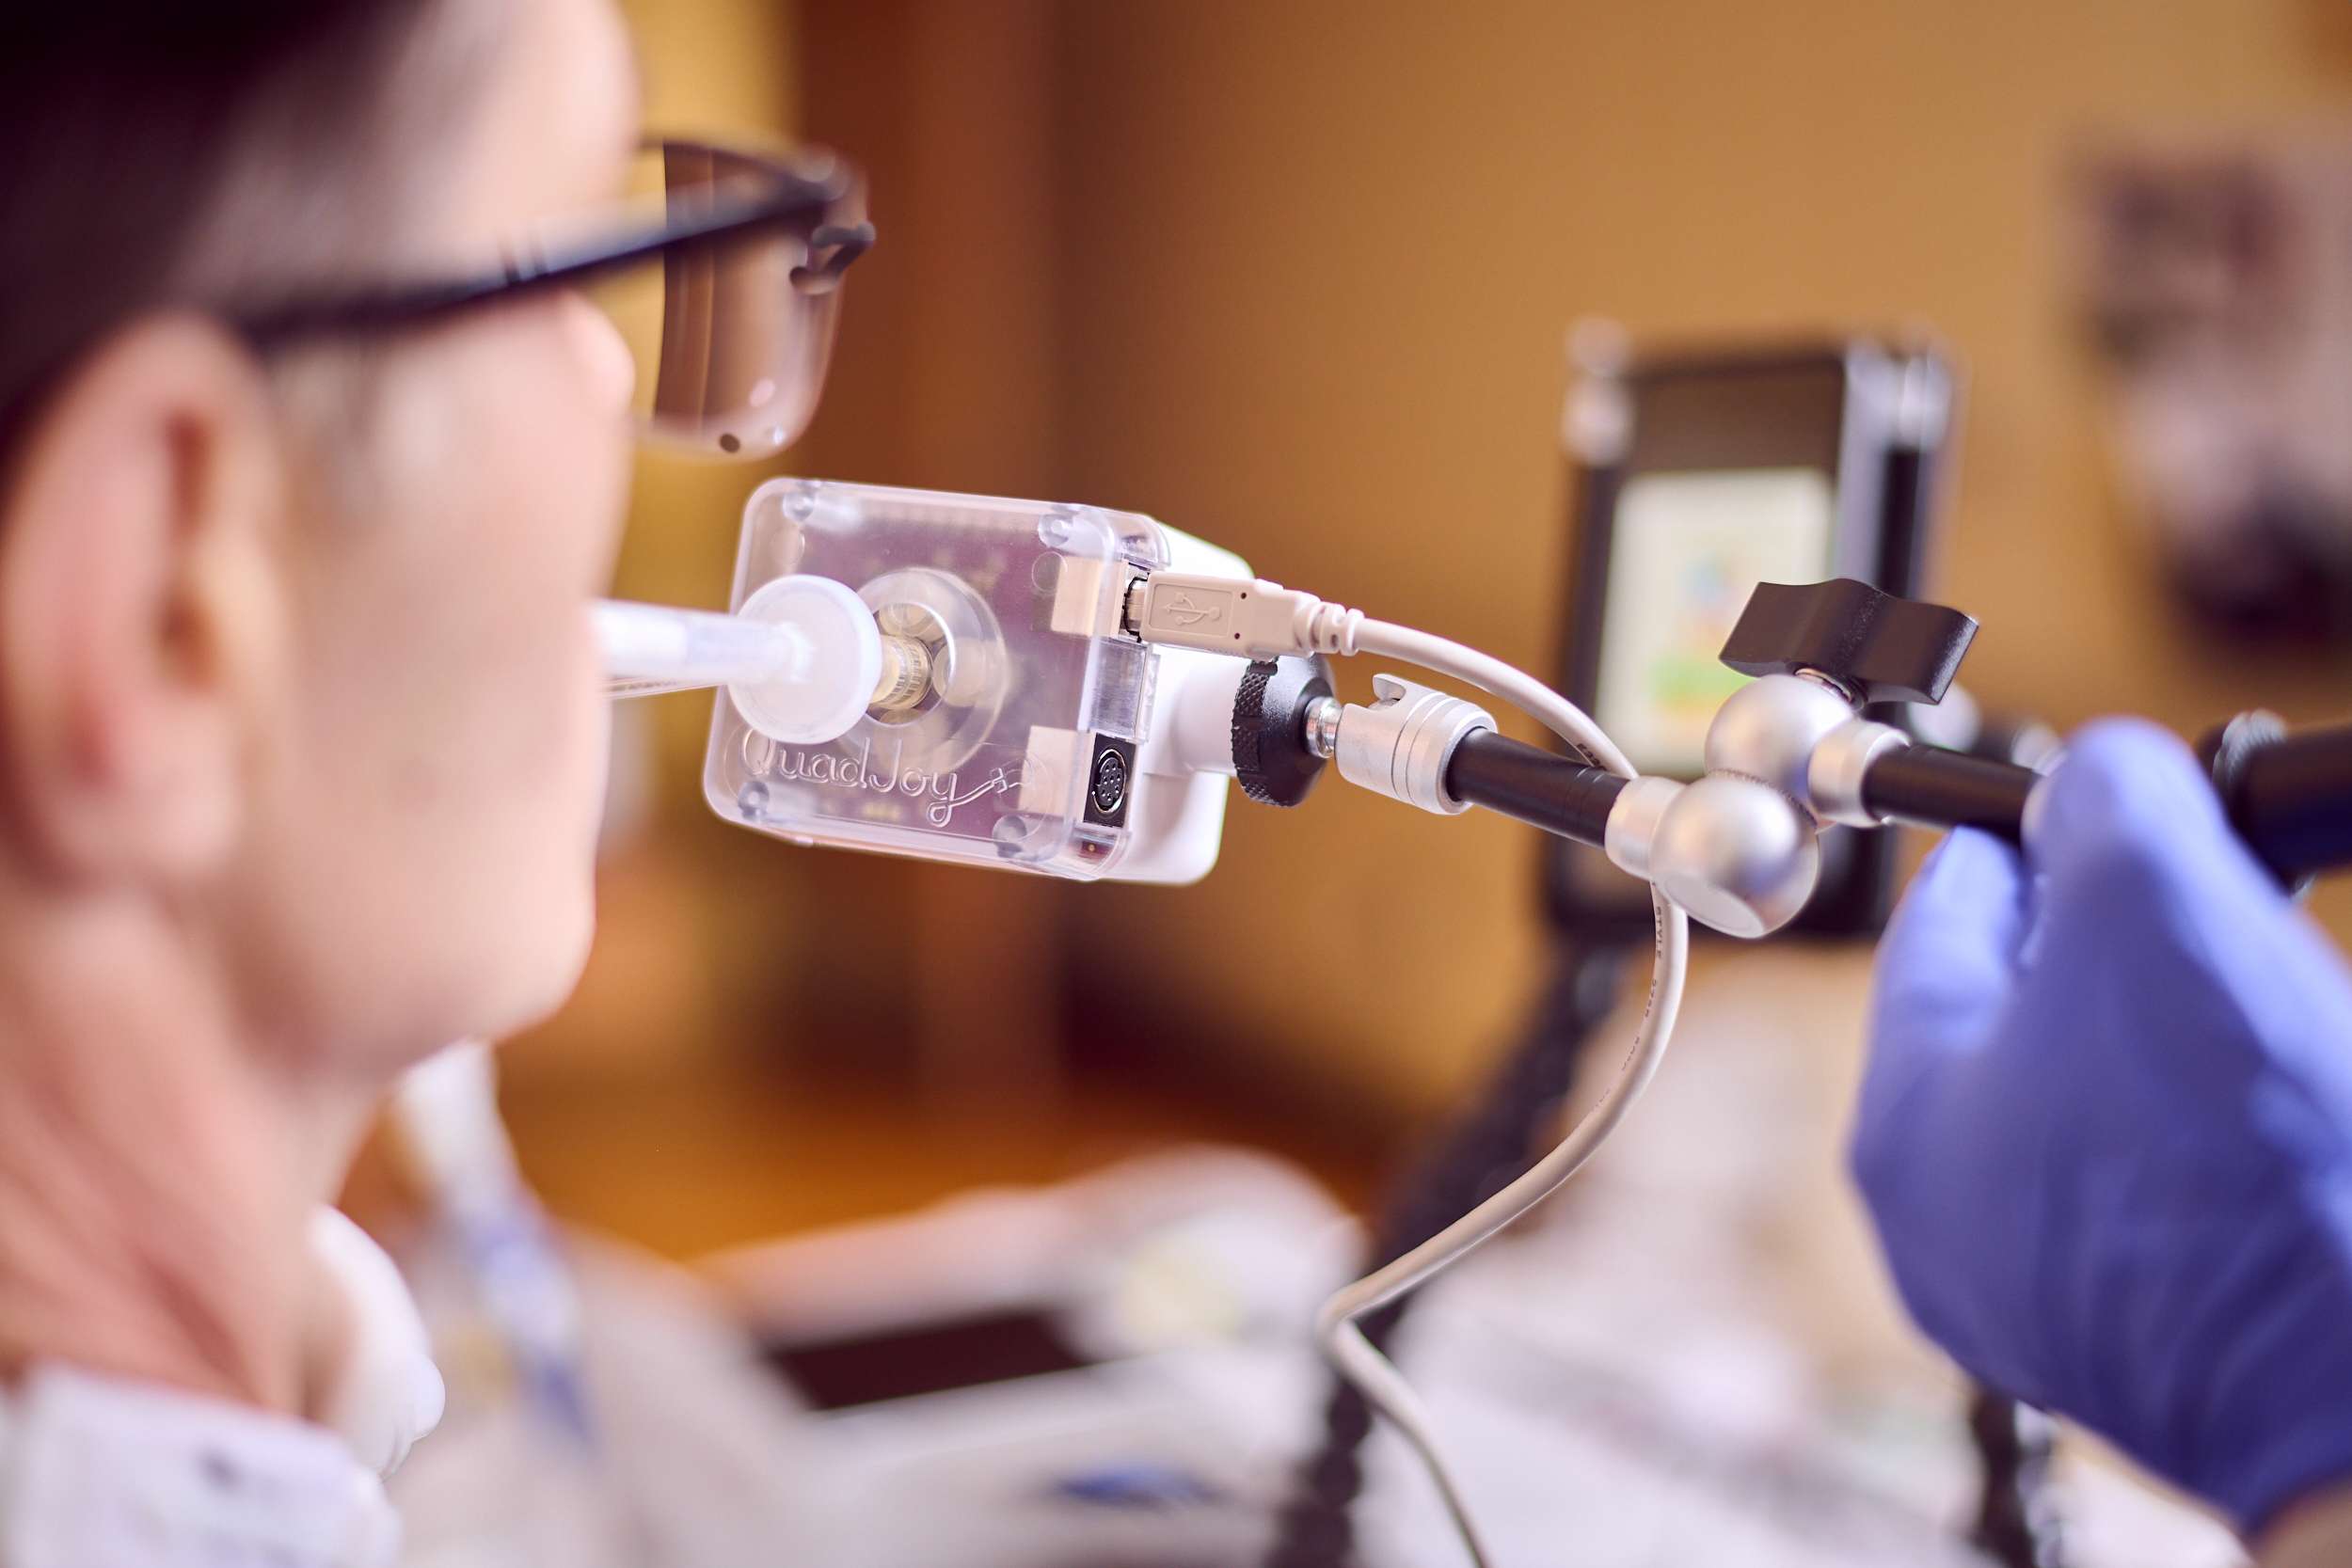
(823,699)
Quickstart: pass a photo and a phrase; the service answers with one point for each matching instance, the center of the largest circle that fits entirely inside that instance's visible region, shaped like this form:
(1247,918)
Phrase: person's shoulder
(82,1455)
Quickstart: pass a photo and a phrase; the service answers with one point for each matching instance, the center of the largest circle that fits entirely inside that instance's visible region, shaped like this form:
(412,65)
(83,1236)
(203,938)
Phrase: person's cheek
(561,459)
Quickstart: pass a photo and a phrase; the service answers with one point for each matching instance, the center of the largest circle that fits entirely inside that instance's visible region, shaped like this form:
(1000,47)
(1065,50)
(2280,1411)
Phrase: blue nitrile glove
(2106,1128)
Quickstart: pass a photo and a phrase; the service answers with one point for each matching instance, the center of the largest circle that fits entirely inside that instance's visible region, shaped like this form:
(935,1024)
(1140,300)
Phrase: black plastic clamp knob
(1880,648)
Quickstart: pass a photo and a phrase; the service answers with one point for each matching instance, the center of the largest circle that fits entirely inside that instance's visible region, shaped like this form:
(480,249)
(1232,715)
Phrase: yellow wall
(721,67)
(1320,255)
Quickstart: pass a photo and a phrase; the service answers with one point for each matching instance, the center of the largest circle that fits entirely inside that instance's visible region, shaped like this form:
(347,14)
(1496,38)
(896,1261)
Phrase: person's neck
(156,1170)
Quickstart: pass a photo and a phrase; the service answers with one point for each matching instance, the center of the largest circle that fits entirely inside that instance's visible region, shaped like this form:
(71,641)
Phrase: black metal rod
(2290,800)
(1937,789)
(1533,785)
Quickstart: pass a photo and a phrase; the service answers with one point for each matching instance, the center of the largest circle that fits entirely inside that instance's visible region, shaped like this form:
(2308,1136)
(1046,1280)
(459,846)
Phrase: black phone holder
(1875,415)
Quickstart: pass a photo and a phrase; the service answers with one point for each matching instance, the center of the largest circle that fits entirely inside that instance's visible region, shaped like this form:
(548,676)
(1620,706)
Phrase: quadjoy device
(1015,722)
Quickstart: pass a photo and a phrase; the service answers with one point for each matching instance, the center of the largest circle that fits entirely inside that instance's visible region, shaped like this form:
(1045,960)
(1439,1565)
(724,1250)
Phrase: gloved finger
(1950,952)
(1946,968)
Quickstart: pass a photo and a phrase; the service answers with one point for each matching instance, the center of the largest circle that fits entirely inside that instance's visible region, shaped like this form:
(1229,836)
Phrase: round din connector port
(1110,783)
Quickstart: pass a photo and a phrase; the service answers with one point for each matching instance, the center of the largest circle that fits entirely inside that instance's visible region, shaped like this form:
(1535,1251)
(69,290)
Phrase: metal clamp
(1834,773)
(1400,746)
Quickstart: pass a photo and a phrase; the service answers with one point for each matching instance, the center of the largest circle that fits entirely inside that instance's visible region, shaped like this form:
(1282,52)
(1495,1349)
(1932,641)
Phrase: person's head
(293,650)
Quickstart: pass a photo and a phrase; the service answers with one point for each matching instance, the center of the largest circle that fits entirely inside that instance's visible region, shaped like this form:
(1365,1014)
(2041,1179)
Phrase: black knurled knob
(1883,649)
(1270,757)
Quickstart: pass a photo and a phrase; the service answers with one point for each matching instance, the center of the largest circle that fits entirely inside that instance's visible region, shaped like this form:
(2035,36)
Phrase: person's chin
(528,970)
(558,959)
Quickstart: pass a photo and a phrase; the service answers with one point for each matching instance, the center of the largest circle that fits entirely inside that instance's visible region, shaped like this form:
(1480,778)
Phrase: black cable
(2017,1521)
(1484,1153)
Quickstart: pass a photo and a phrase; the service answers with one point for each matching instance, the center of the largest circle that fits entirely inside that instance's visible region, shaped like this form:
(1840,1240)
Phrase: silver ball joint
(1739,848)
(1736,854)
(1770,729)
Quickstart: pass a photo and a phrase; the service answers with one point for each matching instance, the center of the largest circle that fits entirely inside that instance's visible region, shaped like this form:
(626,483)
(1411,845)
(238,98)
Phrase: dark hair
(132,131)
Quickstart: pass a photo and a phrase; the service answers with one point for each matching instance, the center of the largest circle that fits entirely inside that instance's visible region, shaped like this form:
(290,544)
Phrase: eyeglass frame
(393,307)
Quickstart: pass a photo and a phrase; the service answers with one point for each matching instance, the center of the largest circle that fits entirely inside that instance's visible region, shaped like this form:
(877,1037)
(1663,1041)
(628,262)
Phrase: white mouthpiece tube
(650,647)
(800,659)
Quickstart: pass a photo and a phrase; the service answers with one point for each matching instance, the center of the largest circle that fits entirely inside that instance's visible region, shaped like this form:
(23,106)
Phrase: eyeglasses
(730,333)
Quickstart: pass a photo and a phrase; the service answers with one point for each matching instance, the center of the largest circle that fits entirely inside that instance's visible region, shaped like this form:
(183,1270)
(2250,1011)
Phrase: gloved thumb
(2138,857)
(2129,797)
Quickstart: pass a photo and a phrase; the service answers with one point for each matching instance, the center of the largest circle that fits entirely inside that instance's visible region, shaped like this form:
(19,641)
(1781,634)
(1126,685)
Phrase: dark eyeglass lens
(729,339)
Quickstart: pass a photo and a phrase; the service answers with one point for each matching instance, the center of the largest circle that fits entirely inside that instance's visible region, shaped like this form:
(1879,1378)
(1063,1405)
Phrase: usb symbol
(1184,612)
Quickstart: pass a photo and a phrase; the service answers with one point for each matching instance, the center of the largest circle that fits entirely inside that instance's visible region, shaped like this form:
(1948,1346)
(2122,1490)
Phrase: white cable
(1374,1375)
(1263,620)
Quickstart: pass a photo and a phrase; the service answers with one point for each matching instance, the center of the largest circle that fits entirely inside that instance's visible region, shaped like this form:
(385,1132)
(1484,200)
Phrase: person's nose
(604,352)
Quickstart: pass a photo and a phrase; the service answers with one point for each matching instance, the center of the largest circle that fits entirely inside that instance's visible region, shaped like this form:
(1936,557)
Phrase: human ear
(142,605)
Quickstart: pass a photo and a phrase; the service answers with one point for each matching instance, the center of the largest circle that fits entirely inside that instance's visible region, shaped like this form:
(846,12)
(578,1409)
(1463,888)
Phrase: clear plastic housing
(1022,752)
